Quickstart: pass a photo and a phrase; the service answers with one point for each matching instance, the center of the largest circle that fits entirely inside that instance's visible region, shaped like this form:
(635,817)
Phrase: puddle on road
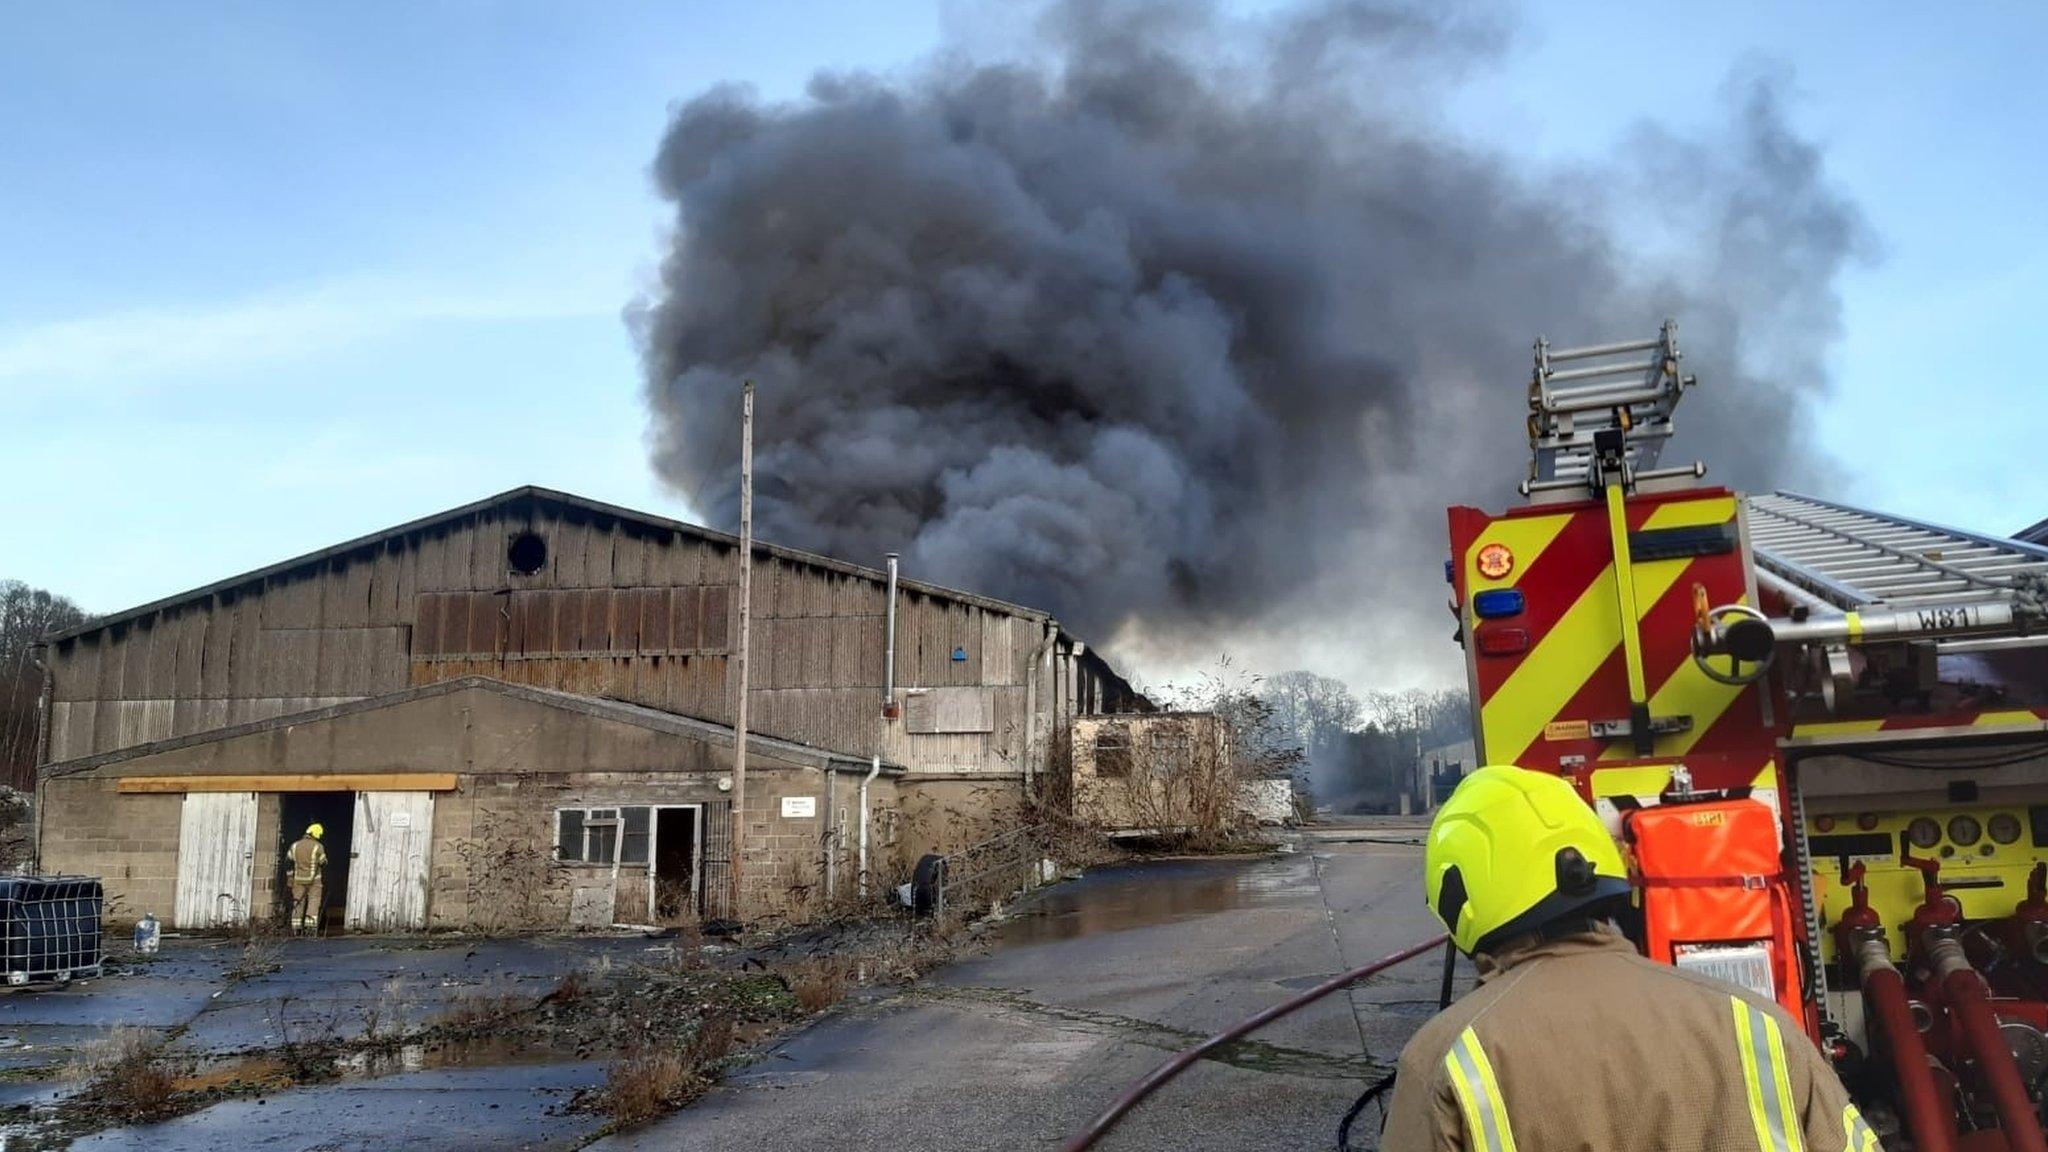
(1142,895)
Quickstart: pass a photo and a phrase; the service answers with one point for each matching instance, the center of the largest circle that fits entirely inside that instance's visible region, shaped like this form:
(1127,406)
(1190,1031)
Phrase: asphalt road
(1098,982)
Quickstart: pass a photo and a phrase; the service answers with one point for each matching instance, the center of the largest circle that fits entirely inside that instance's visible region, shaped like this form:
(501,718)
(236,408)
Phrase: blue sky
(276,275)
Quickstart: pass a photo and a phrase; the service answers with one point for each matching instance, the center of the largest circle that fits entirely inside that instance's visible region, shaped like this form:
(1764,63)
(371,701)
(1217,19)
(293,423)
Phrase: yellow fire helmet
(1512,850)
(315,831)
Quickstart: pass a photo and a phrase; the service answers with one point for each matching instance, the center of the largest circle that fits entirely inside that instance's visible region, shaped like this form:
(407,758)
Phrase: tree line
(1359,751)
(26,616)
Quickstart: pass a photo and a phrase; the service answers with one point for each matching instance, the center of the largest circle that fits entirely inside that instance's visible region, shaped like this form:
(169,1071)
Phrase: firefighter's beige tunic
(309,870)
(1580,1043)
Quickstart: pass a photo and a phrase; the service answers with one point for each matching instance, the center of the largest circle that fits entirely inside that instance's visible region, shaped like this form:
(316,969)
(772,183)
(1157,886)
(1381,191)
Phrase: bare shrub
(650,1082)
(477,1008)
(128,1074)
(818,982)
(263,941)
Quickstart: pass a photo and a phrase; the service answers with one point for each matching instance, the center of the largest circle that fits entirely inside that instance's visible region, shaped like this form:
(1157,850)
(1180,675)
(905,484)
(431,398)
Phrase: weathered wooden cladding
(622,605)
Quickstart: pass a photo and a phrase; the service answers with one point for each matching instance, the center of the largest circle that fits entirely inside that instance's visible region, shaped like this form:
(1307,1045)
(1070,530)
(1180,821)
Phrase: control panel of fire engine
(1985,854)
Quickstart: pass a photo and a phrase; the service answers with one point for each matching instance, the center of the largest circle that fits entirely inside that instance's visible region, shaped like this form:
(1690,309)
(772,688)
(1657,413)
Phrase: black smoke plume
(1187,326)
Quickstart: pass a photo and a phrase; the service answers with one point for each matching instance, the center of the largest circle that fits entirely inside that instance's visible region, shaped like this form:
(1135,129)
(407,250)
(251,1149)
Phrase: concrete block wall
(130,842)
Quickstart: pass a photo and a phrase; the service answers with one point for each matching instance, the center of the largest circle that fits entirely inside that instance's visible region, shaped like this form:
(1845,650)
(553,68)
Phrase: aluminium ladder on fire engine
(1837,560)
(1631,387)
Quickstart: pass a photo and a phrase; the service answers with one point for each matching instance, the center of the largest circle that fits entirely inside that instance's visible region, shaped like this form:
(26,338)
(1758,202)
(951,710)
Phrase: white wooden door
(216,859)
(387,868)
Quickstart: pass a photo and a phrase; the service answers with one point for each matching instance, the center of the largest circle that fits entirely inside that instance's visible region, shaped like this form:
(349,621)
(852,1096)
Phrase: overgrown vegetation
(129,1074)
(26,616)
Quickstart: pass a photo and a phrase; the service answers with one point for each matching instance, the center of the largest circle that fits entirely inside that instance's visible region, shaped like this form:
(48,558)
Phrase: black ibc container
(50,927)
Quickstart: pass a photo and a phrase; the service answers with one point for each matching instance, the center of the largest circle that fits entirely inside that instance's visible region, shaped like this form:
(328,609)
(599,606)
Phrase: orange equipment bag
(1713,874)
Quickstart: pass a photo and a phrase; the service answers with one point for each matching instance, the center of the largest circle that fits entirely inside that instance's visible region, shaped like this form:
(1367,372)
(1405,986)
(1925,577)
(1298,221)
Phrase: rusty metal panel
(216,859)
(716,621)
(455,624)
(625,615)
(684,608)
(654,620)
(594,634)
(629,557)
(486,624)
(392,849)
(426,632)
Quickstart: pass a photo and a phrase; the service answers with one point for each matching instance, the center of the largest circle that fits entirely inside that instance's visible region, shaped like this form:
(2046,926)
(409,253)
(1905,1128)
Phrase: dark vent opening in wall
(526,554)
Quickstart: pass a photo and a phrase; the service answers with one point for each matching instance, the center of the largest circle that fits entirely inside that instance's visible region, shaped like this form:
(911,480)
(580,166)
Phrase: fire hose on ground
(1183,1060)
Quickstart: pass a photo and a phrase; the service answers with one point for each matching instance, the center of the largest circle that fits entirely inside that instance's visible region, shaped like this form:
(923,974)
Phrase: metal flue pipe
(1181,1061)
(874,770)
(889,647)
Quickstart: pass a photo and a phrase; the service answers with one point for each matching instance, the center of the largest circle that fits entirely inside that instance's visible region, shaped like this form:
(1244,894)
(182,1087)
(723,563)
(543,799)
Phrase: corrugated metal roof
(548,496)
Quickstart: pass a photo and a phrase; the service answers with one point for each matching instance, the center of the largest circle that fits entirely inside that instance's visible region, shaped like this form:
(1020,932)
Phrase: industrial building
(518,714)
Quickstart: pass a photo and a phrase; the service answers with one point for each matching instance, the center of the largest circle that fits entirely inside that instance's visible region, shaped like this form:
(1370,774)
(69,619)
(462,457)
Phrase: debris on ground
(667,1026)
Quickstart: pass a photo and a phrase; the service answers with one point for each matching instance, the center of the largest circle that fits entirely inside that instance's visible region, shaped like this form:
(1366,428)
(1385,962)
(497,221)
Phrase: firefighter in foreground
(1572,1040)
(308,864)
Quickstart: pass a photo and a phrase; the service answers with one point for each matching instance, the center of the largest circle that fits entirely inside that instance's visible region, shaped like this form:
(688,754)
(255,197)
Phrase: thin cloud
(139,346)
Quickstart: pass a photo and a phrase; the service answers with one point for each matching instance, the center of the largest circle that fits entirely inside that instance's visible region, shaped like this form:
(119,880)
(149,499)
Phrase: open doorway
(675,864)
(335,813)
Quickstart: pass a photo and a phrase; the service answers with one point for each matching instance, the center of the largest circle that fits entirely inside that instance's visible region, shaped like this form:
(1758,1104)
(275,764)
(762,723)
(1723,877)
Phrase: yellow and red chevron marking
(2017,719)
(1534,707)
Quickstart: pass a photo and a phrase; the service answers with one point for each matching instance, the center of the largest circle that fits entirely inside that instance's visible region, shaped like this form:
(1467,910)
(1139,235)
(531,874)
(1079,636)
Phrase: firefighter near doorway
(306,866)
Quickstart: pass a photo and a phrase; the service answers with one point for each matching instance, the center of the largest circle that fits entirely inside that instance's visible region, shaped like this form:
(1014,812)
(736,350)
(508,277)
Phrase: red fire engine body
(1820,733)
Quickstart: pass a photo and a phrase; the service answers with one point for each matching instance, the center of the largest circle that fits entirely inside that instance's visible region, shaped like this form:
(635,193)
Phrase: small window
(633,836)
(591,835)
(569,834)
(527,554)
(1113,750)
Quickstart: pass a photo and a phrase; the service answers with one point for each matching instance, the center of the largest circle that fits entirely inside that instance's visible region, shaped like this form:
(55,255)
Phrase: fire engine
(1820,733)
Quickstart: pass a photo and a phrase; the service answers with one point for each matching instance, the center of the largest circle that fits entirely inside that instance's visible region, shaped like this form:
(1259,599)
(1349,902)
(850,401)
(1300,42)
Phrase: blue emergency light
(1494,603)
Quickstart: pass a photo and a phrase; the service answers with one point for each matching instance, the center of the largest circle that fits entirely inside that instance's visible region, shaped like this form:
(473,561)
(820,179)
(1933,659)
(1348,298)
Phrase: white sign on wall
(799,807)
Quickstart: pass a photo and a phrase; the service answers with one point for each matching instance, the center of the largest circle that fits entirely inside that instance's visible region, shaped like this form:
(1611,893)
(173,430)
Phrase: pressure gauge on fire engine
(1965,830)
(2004,827)
(1923,832)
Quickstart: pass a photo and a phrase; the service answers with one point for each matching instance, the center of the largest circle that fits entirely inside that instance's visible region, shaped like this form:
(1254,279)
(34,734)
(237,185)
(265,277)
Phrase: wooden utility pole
(739,725)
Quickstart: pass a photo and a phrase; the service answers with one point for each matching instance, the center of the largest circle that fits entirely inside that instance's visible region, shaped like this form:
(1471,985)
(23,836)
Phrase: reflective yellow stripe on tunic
(1486,1115)
(1771,1107)
(1861,1138)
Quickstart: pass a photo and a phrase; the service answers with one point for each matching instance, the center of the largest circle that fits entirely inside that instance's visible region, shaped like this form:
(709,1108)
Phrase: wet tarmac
(1086,987)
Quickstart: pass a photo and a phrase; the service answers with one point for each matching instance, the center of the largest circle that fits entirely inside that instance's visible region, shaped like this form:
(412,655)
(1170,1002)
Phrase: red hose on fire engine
(1929,1120)
(1182,1060)
(1971,1005)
